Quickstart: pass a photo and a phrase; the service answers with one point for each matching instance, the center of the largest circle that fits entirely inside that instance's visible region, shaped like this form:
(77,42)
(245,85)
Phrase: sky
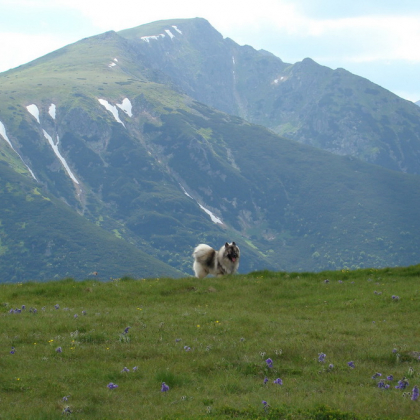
(375,39)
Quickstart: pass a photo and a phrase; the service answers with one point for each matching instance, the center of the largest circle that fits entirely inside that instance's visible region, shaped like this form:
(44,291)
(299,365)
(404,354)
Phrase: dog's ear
(233,243)
(226,245)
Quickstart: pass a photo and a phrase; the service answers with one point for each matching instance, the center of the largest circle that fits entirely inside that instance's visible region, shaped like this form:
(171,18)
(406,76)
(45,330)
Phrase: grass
(208,340)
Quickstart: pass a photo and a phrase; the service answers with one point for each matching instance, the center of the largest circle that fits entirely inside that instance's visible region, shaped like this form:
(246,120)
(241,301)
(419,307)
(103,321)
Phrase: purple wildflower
(125,370)
(321,357)
(402,384)
(415,393)
(177,340)
(57,306)
(58,349)
(269,363)
(67,410)
(390,378)
(23,307)
(126,330)
(66,397)
(394,297)
(394,350)
(135,368)
(111,385)
(164,387)
(381,384)
(331,366)
(265,380)
(186,348)
(351,364)
(376,375)
(278,381)
(265,403)
(326,281)
(84,312)
(12,351)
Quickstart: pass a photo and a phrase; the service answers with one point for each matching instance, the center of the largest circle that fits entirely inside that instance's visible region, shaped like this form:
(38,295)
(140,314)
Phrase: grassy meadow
(101,350)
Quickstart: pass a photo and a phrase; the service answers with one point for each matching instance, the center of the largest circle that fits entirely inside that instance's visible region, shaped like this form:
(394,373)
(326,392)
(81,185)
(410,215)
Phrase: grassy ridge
(209,341)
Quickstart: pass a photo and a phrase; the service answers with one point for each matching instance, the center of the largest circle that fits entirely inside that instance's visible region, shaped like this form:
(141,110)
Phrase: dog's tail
(201,250)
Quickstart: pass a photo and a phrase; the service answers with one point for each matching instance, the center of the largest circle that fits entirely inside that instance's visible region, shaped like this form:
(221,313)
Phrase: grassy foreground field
(93,350)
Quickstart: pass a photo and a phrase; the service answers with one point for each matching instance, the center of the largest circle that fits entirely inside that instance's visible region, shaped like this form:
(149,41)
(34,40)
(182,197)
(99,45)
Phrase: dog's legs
(199,270)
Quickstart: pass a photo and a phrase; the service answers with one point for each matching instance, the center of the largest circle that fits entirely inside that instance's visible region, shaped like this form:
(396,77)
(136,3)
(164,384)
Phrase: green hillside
(333,345)
(304,208)
(42,239)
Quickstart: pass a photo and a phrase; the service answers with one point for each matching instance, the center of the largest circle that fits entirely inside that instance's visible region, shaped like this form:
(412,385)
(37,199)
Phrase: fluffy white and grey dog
(209,261)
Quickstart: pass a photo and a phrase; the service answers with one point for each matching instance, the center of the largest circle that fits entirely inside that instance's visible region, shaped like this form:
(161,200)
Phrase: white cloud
(20,48)
(379,37)
(365,38)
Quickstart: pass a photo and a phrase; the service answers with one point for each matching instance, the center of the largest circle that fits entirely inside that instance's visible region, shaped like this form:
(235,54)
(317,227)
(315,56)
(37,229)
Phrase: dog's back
(205,260)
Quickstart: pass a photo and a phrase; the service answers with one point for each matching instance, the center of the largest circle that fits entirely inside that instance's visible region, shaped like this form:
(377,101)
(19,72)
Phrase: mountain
(116,134)
(330,109)
(42,238)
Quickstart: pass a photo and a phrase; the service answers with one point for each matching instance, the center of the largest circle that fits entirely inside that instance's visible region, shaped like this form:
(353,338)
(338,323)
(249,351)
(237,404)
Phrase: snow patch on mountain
(213,218)
(155,37)
(148,38)
(113,63)
(112,109)
(126,106)
(34,111)
(60,157)
(4,135)
(277,81)
(185,192)
(170,34)
(52,111)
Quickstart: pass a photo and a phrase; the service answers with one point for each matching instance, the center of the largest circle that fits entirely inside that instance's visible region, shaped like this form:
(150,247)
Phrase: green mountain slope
(330,109)
(100,126)
(41,238)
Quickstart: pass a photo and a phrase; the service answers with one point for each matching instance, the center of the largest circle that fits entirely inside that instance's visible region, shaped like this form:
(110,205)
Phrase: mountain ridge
(163,171)
(342,113)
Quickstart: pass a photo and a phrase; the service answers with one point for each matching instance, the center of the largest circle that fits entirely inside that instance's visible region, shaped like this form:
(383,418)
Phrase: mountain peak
(167,28)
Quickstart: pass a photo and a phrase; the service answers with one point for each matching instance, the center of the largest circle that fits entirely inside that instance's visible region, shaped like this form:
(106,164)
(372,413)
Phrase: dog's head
(232,252)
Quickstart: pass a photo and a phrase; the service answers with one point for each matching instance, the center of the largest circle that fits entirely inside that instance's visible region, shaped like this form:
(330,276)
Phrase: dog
(209,261)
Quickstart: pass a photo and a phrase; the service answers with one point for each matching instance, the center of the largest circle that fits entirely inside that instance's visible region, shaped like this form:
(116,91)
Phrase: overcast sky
(376,39)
